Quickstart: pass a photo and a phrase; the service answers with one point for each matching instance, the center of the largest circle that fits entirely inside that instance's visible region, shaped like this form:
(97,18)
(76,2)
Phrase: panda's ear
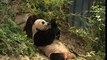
(29,23)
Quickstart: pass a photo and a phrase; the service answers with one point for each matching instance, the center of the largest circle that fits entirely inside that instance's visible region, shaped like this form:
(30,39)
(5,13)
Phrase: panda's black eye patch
(43,22)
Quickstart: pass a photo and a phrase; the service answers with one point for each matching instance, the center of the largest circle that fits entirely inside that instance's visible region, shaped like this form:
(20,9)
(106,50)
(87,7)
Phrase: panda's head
(40,25)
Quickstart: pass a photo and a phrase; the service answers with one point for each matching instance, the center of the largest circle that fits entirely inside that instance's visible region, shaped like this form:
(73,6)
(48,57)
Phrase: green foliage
(49,9)
(78,32)
(97,25)
(13,41)
(94,36)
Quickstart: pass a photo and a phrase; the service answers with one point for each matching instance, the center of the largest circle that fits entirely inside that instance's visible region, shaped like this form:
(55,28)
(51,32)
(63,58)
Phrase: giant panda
(44,35)
(46,41)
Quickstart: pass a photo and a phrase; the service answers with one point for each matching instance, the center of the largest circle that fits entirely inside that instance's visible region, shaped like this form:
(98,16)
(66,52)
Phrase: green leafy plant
(13,41)
(94,36)
(49,9)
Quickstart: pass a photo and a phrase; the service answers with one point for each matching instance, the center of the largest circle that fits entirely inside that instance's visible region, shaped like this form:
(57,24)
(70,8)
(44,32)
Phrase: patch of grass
(13,41)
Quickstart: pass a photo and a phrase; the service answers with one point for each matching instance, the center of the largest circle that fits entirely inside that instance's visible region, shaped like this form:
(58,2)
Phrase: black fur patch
(57,56)
(28,26)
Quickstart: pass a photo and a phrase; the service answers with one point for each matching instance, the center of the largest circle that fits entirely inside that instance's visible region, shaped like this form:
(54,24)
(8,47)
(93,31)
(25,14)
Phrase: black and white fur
(44,36)
(45,40)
